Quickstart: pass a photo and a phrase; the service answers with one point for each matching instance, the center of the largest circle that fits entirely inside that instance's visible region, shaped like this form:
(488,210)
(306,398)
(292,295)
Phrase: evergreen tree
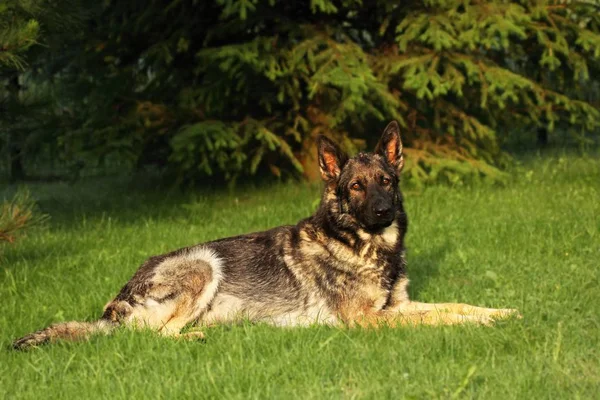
(19,31)
(32,33)
(233,87)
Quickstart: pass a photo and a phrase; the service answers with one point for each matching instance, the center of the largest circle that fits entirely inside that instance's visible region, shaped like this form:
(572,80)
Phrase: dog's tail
(71,331)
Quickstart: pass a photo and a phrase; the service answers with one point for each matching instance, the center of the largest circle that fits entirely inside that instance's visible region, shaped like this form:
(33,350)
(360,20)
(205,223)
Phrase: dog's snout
(382,210)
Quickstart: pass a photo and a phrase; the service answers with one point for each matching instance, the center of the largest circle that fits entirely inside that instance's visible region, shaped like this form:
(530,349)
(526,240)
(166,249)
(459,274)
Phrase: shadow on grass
(132,198)
(424,266)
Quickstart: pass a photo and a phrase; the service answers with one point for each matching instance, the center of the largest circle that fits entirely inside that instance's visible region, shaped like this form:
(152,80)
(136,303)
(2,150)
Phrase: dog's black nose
(382,211)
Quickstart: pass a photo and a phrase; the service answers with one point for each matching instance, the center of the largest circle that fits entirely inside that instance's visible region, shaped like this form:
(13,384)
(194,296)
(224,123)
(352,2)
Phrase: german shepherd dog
(343,265)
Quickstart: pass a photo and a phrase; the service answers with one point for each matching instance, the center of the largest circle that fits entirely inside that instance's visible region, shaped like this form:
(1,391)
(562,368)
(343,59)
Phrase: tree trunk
(17,172)
(308,159)
(542,137)
(15,151)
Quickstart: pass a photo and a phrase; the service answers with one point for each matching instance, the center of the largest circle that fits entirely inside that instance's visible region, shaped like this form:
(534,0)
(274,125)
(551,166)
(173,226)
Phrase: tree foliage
(18,31)
(19,214)
(33,36)
(233,87)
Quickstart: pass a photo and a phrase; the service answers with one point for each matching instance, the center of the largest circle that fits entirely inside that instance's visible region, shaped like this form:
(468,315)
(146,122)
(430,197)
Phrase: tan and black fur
(343,265)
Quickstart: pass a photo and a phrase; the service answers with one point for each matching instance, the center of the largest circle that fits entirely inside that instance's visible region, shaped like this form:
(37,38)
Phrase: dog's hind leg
(165,294)
(168,292)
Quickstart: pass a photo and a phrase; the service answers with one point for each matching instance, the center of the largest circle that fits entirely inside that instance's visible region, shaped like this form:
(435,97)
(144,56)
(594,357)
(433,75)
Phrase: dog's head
(365,186)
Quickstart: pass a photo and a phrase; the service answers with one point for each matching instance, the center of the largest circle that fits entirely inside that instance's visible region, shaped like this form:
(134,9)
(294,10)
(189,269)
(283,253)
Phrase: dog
(344,265)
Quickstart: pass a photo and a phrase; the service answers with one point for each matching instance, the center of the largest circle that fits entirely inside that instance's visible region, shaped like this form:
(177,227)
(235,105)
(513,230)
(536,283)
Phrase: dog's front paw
(193,335)
(505,313)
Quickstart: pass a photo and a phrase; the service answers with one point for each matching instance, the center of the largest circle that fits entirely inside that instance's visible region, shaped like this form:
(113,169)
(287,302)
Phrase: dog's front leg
(415,317)
(459,308)
(400,302)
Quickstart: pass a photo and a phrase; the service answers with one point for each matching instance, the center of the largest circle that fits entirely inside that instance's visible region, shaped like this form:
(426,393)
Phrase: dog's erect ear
(390,146)
(331,158)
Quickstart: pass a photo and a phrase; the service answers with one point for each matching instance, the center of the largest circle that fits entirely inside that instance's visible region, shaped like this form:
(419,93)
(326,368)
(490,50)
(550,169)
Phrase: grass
(533,244)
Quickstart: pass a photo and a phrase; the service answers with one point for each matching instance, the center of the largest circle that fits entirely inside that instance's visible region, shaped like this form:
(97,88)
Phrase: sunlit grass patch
(532,244)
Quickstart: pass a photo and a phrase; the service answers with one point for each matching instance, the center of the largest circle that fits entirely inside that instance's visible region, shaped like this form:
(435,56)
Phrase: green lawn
(533,244)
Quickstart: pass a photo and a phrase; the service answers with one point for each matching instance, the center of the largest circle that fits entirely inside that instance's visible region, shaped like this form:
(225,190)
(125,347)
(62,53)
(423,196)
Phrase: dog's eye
(385,181)
(356,186)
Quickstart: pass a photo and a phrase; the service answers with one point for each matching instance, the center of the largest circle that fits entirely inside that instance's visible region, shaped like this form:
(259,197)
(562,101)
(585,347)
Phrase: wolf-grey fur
(343,265)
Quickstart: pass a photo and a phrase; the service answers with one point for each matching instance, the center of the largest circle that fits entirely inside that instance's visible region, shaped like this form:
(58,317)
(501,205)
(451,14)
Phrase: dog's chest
(352,278)
(358,283)
(368,298)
